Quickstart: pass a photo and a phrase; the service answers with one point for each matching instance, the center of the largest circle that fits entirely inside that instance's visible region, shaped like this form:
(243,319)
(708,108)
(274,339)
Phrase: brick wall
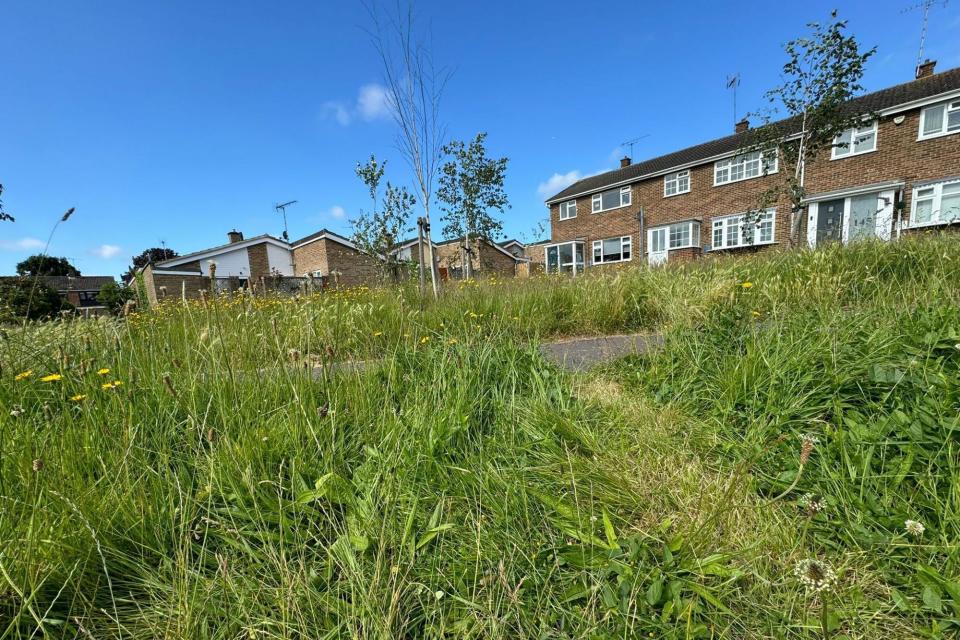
(487,259)
(259,261)
(325,255)
(175,285)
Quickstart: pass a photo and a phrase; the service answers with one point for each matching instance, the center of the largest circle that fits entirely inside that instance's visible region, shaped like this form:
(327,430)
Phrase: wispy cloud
(336,211)
(23,244)
(557,182)
(106,251)
(372,103)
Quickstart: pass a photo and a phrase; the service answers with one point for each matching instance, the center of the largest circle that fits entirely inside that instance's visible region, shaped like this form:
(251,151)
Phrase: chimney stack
(234,236)
(925,70)
(624,162)
(741,126)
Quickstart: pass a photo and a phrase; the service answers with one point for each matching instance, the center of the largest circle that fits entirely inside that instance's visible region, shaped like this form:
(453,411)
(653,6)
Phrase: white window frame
(936,205)
(722,224)
(727,165)
(674,179)
(566,207)
(596,202)
(839,152)
(626,244)
(950,106)
(693,232)
(573,253)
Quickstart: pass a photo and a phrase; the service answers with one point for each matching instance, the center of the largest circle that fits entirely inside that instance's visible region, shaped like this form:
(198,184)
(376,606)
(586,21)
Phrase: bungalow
(262,263)
(488,258)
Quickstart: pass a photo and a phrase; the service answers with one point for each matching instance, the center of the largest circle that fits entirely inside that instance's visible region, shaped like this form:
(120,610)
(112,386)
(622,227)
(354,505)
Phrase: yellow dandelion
(53,377)
(452,341)
(377,334)
(424,339)
(79,397)
(103,372)
(23,376)
(756,314)
(746,285)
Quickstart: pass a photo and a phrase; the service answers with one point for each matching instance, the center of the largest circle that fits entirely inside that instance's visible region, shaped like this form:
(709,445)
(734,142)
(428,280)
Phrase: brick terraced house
(262,262)
(897,174)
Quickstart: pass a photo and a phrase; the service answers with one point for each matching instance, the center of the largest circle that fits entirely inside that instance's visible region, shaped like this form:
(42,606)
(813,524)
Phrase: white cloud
(23,244)
(557,182)
(337,212)
(373,103)
(106,251)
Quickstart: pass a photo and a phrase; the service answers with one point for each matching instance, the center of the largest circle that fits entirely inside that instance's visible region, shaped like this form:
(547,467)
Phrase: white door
(657,245)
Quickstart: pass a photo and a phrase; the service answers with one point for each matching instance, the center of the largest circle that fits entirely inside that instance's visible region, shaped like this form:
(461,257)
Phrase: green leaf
(331,487)
(932,599)
(609,530)
(430,534)
(900,601)
(655,592)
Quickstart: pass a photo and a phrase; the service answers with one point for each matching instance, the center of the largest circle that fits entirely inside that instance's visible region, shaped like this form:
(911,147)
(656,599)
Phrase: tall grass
(458,486)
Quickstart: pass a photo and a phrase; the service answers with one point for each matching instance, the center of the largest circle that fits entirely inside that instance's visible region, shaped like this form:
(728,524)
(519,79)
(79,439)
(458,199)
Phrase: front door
(657,245)
(863,216)
(830,221)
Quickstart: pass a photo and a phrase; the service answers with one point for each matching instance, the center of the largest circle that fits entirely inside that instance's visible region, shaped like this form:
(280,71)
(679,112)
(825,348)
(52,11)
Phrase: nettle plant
(822,75)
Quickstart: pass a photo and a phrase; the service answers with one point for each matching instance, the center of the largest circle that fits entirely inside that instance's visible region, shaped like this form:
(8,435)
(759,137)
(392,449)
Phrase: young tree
(377,230)
(3,214)
(414,89)
(154,254)
(43,265)
(822,74)
(471,185)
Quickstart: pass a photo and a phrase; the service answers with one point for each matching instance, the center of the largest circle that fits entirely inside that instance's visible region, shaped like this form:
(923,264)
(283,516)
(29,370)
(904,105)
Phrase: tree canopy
(41,265)
(154,254)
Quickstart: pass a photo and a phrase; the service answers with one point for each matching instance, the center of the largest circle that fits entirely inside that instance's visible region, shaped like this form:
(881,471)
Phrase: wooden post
(423,282)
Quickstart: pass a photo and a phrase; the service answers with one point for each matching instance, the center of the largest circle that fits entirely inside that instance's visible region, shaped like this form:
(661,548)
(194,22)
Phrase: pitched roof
(189,257)
(876,102)
(79,283)
(324,233)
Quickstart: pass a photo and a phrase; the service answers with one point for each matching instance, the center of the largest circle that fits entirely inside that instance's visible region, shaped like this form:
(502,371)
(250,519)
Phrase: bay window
(741,231)
(744,167)
(564,257)
(936,204)
(612,250)
(610,199)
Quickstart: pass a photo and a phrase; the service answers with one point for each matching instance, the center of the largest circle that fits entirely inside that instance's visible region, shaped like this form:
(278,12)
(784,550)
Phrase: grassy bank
(184,477)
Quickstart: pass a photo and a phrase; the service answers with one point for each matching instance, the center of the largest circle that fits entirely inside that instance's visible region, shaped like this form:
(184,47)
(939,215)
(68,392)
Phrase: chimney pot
(234,236)
(741,126)
(625,162)
(925,70)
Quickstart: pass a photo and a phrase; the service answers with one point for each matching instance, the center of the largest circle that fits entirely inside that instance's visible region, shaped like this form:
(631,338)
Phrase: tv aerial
(282,209)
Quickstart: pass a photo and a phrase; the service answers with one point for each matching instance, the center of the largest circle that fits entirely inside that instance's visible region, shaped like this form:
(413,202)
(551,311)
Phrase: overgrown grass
(458,486)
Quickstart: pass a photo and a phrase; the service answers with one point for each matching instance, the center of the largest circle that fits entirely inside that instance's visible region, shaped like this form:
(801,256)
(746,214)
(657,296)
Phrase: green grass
(460,487)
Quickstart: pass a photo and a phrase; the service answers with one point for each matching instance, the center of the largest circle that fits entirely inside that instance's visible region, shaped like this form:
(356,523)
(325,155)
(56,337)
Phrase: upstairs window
(611,199)
(936,204)
(940,119)
(676,183)
(568,210)
(855,141)
(735,231)
(612,250)
(744,167)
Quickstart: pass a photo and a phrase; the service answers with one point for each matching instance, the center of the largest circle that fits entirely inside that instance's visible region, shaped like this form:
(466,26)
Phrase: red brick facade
(900,160)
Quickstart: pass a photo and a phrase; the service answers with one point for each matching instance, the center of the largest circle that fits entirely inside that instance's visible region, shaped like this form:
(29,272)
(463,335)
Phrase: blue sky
(176,121)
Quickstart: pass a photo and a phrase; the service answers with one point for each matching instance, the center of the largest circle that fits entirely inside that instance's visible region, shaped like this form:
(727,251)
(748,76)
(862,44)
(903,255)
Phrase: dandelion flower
(53,377)
(452,341)
(424,339)
(914,528)
(815,575)
(746,285)
(23,376)
(756,314)
(377,334)
(79,397)
(103,372)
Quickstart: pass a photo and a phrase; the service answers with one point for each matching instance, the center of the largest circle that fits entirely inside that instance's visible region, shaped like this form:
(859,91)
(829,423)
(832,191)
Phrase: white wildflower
(816,576)
(914,528)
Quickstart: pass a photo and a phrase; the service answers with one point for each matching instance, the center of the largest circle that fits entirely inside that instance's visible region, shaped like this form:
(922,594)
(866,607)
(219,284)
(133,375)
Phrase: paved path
(579,354)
